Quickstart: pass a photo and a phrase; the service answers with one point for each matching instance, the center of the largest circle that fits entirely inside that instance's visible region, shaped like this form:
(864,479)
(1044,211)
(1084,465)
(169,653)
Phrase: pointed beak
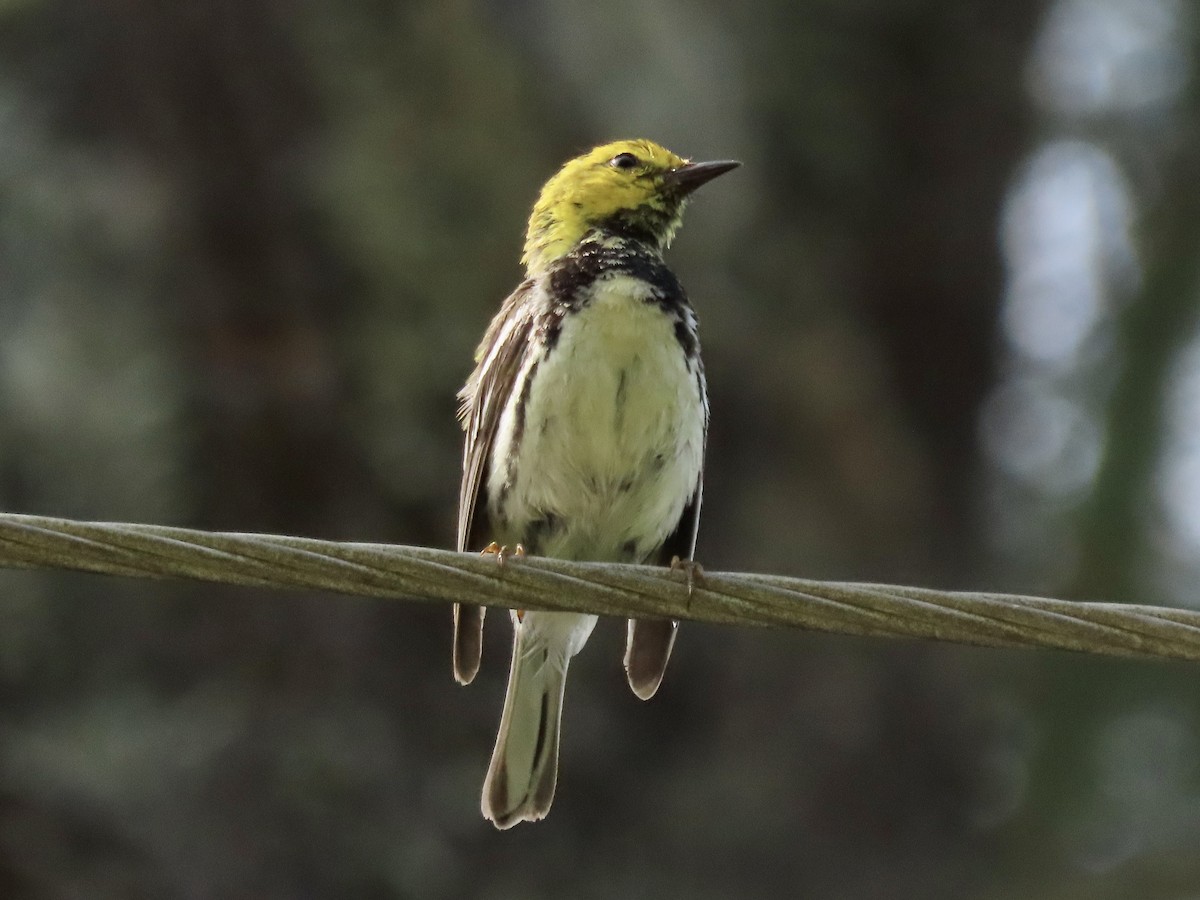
(687,178)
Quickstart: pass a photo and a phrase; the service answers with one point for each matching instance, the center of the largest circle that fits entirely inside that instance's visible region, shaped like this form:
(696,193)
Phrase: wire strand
(443,576)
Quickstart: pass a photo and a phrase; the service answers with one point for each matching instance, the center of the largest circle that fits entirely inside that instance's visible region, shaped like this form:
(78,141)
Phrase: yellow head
(633,189)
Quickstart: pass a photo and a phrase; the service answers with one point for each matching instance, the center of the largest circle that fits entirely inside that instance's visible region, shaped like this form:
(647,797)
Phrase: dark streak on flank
(619,401)
(518,432)
(686,336)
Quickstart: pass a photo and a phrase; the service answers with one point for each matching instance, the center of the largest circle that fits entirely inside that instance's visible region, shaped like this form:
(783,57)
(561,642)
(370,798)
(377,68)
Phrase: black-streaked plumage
(585,425)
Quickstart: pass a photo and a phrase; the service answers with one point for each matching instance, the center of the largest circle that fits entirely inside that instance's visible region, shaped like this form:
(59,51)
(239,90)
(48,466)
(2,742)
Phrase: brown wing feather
(649,642)
(498,360)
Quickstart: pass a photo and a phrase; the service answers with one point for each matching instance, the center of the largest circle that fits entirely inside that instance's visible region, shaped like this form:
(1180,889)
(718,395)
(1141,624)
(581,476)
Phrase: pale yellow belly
(613,437)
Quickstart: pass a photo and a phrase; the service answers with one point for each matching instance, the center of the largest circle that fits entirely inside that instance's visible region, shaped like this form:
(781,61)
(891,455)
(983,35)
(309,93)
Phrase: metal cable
(418,573)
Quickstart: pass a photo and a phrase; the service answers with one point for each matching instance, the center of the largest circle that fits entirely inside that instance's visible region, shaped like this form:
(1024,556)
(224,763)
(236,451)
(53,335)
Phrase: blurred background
(949,311)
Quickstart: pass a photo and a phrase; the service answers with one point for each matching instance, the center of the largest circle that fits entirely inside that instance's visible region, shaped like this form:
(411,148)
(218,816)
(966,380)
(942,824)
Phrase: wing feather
(482,400)
(648,642)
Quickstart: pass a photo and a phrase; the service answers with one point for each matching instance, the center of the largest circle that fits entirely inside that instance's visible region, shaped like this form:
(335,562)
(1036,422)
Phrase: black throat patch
(602,255)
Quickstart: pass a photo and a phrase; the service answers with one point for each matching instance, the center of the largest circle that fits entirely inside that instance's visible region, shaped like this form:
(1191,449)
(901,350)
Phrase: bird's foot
(501,552)
(693,571)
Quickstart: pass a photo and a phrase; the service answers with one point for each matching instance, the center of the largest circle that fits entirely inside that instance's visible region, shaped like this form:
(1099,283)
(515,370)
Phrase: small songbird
(585,419)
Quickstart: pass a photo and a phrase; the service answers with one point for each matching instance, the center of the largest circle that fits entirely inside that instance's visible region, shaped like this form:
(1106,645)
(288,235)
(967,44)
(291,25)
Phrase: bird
(586,422)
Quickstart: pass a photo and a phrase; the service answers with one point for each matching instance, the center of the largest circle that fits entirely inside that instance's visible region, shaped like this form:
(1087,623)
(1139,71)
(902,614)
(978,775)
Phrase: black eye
(624,161)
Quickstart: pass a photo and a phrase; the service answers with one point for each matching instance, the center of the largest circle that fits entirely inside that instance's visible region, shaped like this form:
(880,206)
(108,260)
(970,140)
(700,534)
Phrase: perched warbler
(585,419)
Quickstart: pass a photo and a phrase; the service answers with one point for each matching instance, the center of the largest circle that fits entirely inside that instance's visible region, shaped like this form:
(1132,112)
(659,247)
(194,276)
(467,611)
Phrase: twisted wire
(420,573)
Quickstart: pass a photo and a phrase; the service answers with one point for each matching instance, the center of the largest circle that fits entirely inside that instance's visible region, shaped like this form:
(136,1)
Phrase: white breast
(613,438)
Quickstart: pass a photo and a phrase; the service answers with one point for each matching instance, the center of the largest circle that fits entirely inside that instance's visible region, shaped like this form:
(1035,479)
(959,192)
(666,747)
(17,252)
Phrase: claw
(500,551)
(694,572)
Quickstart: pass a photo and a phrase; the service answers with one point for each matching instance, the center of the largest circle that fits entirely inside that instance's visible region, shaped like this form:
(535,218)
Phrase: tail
(521,778)
(468,641)
(647,650)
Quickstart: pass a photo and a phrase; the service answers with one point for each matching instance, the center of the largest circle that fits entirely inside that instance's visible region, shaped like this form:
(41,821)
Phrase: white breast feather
(613,398)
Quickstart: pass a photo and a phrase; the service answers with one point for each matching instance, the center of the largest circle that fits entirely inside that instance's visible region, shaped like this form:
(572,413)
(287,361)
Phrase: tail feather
(524,769)
(647,651)
(468,641)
